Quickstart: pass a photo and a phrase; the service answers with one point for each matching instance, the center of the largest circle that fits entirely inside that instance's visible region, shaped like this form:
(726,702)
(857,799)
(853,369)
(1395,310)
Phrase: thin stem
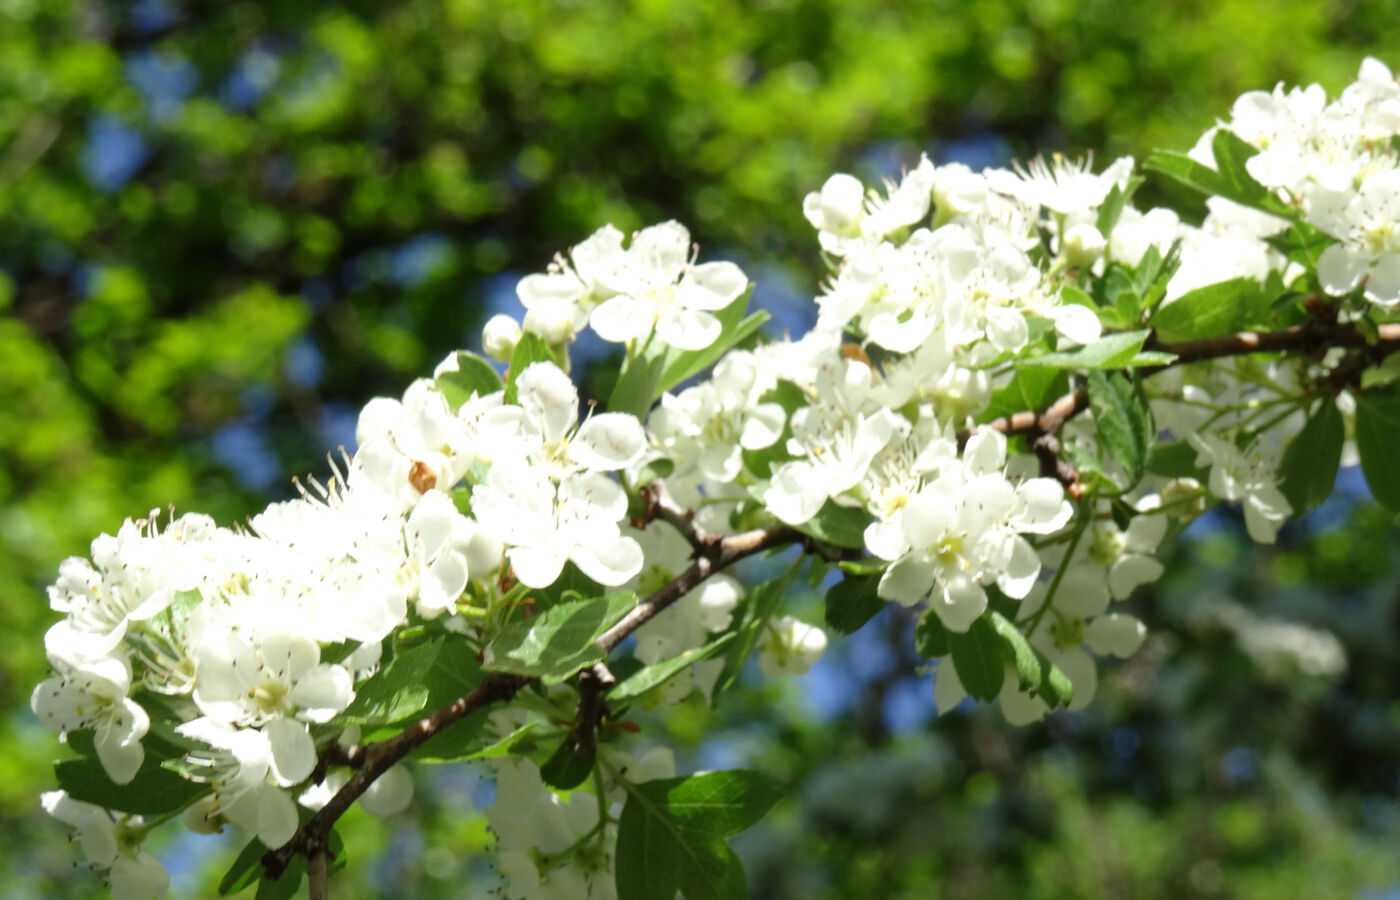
(1034,621)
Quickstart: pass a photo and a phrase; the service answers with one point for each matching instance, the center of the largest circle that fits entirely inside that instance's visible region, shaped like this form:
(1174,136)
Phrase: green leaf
(840,526)
(1120,410)
(463,740)
(285,887)
(246,869)
(1032,387)
(1112,351)
(1055,686)
(566,769)
(474,376)
(639,384)
(671,834)
(978,660)
(646,678)
(719,877)
(759,606)
(154,791)
(1111,209)
(1019,652)
(559,641)
(1209,311)
(530,350)
(1232,181)
(427,675)
(1309,466)
(853,601)
(1377,436)
(647,860)
(931,637)
(1231,154)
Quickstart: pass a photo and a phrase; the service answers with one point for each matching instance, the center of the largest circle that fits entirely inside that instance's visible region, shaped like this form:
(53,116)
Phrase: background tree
(226,226)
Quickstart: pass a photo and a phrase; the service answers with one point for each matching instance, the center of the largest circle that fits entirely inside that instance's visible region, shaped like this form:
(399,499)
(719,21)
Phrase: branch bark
(714,553)
(1312,337)
(373,760)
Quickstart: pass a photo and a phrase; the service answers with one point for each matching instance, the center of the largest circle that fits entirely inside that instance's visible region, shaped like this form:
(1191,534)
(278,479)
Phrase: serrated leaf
(559,641)
(931,637)
(458,744)
(671,835)
(1231,182)
(1231,154)
(1124,419)
(978,660)
(474,376)
(427,675)
(840,526)
(1309,466)
(853,601)
(154,790)
(1209,311)
(530,350)
(1112,351)
(721,877)
(648,677)
(1377,436)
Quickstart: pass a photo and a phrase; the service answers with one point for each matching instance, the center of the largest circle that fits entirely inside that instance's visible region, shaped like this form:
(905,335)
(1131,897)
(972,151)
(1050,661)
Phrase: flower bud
(838,206)
(500,336)
(1084,244)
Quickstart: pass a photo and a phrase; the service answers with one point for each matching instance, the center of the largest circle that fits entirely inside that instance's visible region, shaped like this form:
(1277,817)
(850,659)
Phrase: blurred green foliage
(224,226)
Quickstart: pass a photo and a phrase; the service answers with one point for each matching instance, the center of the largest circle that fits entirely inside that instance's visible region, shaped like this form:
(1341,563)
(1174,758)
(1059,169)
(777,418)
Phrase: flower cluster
(969,429)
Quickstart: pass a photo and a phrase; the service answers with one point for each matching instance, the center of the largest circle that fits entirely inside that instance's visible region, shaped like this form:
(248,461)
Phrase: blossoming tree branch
(1018,386)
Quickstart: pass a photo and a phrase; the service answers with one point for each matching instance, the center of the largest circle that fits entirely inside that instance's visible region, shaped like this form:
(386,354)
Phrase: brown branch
(375,759)
(1311,338)
(717,555)
(378,759)
(660,505)
(318,874)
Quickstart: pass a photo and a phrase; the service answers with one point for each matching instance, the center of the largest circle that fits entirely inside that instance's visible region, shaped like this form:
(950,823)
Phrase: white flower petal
(689,329)
(907,581)
(443,582)
(712,286)
(536,567)
(1339,269)
(1115,634)
(323,692)
(1130,571)
(622,318)
(293,752)
(960,603)
(609,441)
(611,563)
